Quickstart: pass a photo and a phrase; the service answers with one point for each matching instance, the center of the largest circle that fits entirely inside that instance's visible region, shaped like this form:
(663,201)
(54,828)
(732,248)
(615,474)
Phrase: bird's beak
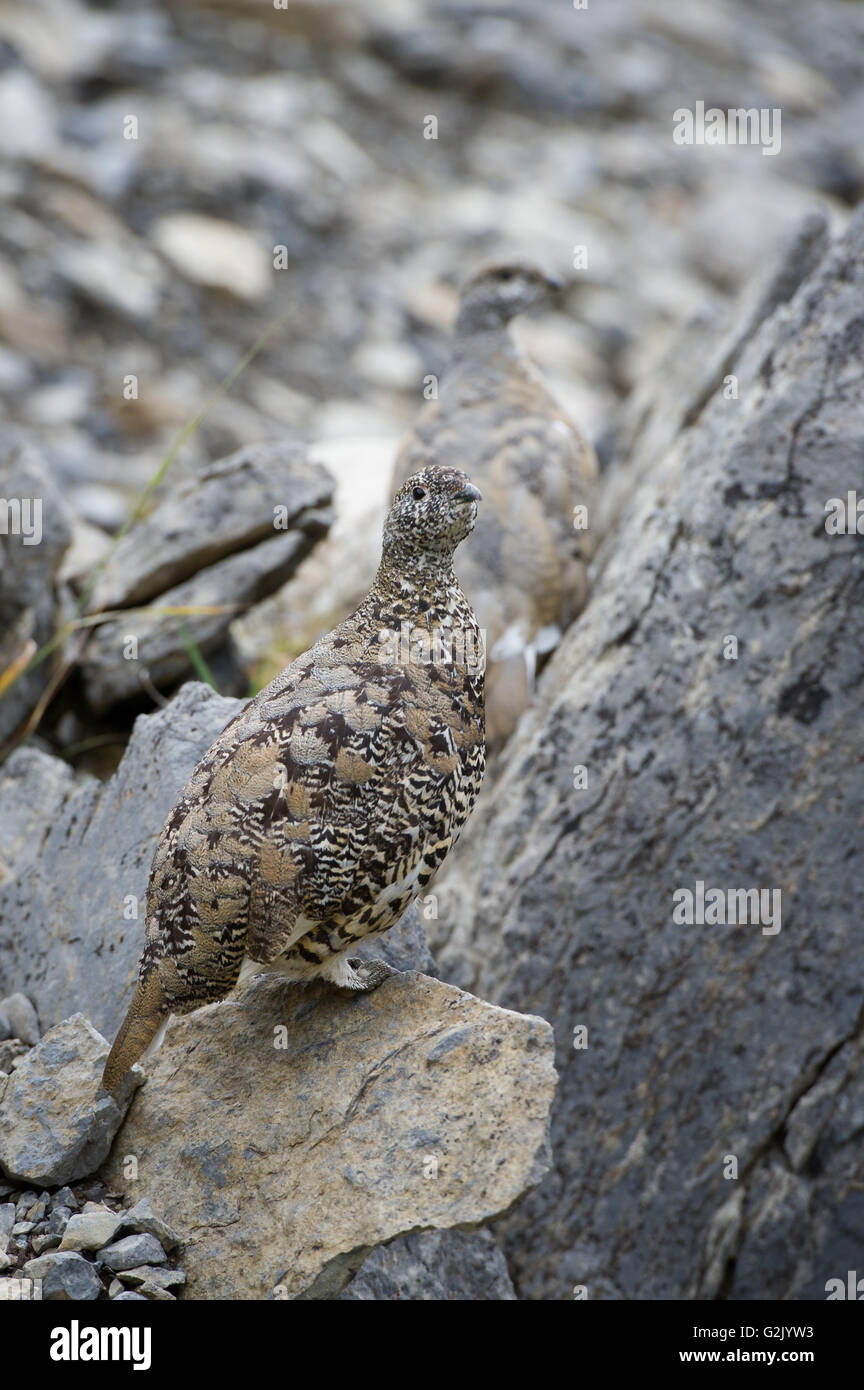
(470,493)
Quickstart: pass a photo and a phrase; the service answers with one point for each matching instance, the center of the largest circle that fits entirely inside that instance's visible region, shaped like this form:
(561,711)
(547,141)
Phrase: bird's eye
(419,493)
(505,274)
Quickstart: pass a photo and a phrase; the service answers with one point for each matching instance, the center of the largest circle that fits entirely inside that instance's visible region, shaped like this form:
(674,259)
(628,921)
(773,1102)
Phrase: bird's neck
(421,592)
(417,614)
(476,336)
(409,586)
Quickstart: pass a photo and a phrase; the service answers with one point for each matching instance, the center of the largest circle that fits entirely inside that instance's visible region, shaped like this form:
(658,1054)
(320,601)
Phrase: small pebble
(91,1228)
(40,1244)
(58,1221)
(132,1251)
(154,1274)
(39,1209)
(65,1276)
(156,1292)
(65,1198)
(142,1218)
(11,1053)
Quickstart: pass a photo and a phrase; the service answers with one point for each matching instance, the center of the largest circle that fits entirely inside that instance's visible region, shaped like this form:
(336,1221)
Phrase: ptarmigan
(325,806)
(525,572)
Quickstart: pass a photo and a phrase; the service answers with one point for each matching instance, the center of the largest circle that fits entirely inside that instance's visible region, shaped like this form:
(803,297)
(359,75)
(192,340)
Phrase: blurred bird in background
(526,574)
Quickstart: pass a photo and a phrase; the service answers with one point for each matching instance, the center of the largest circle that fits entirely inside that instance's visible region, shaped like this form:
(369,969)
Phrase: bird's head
(496,293)
(431,513)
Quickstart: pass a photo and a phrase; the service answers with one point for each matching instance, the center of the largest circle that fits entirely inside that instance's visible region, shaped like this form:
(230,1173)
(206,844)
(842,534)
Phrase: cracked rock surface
(704,1041)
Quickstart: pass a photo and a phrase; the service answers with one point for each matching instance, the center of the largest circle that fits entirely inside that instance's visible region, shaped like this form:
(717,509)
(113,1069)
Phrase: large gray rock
(325,1126)
(710,1048)
(464,1265)
(56,1121)
(75,856)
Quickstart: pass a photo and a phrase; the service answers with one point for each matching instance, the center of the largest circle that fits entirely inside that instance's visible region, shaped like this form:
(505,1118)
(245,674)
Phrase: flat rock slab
(413,1107)
(199,611)
(216,544)
(225,508)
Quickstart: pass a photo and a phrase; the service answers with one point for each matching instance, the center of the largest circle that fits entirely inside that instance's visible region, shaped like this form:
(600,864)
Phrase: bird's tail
(146,1014)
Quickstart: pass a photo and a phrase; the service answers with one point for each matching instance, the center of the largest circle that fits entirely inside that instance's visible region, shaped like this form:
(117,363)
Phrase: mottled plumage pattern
(526,569)
(329,802)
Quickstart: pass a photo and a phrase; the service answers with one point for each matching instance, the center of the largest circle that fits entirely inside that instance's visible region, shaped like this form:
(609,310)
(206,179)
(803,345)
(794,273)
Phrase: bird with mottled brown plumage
(526,569)
(329,802)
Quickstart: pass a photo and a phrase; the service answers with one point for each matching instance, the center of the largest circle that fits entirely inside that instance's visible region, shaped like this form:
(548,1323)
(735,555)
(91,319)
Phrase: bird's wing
(368,765)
